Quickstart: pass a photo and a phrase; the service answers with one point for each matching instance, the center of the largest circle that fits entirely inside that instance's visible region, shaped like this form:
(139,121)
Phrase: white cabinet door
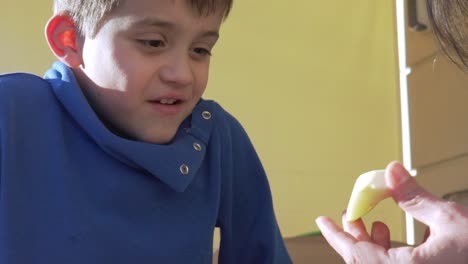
(434,103)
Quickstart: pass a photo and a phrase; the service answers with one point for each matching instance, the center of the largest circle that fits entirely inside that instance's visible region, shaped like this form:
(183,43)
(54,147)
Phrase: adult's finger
(356,228)
(380,234)
(341,241)
(411,197)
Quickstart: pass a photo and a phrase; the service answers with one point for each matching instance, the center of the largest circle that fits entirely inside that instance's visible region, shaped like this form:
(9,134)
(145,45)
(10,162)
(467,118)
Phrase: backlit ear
(61,34)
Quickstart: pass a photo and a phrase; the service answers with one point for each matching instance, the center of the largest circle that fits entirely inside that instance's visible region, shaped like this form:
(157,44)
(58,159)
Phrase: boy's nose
(177,71)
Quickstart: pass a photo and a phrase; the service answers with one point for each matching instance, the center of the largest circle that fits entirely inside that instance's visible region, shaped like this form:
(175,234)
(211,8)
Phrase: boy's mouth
(167,106)
(168,101)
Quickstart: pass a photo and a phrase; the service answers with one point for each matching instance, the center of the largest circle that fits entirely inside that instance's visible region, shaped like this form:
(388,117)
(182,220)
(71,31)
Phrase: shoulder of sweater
(25,93)
(225,121)
(22,84)
(220,114)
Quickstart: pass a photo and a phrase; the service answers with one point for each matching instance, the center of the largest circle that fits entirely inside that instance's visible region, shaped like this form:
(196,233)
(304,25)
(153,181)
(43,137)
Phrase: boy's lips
(168,105)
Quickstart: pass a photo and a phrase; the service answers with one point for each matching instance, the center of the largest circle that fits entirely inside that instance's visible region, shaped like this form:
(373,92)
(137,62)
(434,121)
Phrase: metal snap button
(197,146)
(184,169)
(206,115)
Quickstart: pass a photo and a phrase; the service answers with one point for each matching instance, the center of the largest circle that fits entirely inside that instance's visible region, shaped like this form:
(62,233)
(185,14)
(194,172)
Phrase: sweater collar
(175,164)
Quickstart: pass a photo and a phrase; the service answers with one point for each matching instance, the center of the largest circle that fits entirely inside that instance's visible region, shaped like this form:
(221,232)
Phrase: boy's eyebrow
(213,34)
(155,22)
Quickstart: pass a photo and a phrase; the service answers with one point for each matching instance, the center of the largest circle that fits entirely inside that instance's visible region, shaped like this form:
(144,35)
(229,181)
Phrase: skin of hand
(448,223)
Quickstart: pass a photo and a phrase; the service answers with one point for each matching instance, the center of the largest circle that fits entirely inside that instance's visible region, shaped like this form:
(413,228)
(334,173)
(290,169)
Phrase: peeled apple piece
(370,188)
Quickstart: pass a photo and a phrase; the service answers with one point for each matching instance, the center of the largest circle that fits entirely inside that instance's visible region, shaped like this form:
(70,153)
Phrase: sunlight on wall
(23,46)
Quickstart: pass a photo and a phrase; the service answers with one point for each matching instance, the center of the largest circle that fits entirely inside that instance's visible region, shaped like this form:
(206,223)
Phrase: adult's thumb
(410,196)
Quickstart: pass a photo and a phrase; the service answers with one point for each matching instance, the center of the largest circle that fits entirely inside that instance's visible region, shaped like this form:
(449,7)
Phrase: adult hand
(448,223)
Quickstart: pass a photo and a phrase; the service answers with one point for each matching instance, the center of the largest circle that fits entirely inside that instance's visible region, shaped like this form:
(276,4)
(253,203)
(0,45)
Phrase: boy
(114,157)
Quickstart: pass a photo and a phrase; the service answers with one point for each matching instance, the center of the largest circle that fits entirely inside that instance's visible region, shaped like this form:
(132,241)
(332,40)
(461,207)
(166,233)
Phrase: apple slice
(370,188)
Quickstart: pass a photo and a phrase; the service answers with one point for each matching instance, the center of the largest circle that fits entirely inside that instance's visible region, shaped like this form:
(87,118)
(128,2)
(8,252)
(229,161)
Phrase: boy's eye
(202,51)
(152,43)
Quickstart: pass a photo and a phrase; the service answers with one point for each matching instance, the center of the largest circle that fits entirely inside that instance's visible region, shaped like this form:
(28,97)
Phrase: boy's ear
(61,34)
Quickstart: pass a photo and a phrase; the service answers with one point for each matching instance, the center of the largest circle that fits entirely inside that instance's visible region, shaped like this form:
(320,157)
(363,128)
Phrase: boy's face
(147,67)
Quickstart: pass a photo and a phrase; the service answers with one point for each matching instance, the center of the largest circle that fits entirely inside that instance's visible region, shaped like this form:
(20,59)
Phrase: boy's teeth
(167,101)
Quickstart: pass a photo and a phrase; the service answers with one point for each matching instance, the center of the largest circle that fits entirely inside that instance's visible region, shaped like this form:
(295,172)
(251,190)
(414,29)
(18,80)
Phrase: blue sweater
(73,192)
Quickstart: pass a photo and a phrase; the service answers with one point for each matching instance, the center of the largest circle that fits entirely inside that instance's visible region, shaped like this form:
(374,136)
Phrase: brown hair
(89,15)
(449,19)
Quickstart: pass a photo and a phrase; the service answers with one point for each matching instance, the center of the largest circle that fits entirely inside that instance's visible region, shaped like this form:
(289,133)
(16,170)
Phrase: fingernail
(318,220)
(399,175)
